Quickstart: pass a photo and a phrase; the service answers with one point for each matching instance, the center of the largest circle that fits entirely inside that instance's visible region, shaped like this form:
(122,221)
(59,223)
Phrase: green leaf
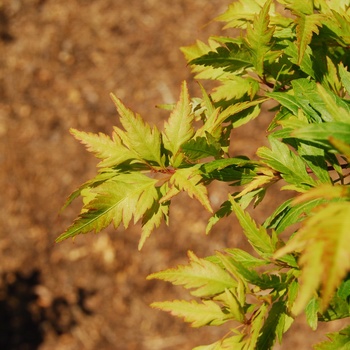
(244,258)
(188,180)
(112,152)
(336,107)
(290,166)
(345,77)
(236,342)
(178,129)
(201,147)
(311,312)
(138,136)
(198,314)
(324,131)
(153,217)
(256,327)
(233,111)
(115,200)
(337,340)
(257,236)
(240,12)
(232,57)
(307,24)
(259,37)
(325,258)
(235,87)
(206,278)
(274,326)
(315,160)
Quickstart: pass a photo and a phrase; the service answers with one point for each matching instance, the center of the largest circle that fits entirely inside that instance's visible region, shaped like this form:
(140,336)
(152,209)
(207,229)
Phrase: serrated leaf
(232,58)
(257,236)
(236,342)
(259,37)
(244,258)
(336,107)
(315,160)
(233,111)
(178,129)
(198,314)
(257,323)
(138,136)
(199,147)
(200,49)
(240,12)
(307,24)
(188,180)
(153,216)
(112,152)
(274,326)
(325,258)
(311,313)
(114,201)
(206,278)
(337,340)
(324,131)
(345,77)
(290,166)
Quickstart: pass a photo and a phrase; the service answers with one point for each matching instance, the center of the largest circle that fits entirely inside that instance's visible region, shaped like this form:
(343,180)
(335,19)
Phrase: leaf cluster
(294,55)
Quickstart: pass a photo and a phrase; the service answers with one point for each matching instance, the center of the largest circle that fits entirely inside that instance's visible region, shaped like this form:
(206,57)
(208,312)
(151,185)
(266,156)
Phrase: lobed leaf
(198,314)
(138,136)
(325,259)
(206,278)
(178,129)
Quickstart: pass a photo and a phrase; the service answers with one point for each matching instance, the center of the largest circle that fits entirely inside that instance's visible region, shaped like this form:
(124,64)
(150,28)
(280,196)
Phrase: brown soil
(58,62)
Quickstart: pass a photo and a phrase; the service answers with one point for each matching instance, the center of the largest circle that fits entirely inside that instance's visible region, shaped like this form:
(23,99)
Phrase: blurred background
(59,60)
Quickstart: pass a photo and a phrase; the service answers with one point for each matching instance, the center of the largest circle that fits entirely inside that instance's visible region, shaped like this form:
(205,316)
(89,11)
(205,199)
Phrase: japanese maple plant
(290,54)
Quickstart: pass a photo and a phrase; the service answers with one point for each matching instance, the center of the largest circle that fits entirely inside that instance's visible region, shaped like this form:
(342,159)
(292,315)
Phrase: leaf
(337,340)
(178,129)
(274,326)
(256,327)
(114,201)
(153,217)
(307,24)
(235,87)
(237,170)
(257,236)
(336,107)
(112,152)
(344,77)
(206,278)
(245,258)
(200,49)
(311,312)
(259,37)
(324,131)
(236,342)
(315,159)
(139,137)
(200,147)
(232,57)
(236,108)
(189,180)
(240,12)
(290,166)
(325,258)
(198,314)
